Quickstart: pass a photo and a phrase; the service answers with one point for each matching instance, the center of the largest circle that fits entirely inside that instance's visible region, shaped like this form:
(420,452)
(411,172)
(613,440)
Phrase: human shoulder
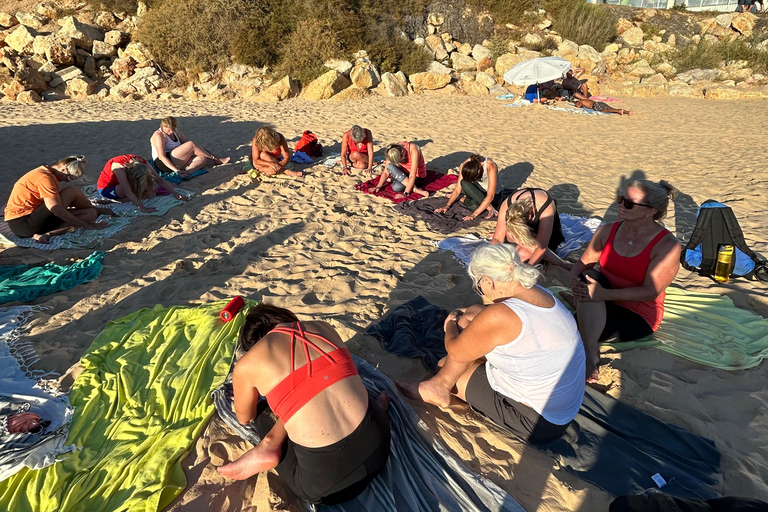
(668,243)
(496,322)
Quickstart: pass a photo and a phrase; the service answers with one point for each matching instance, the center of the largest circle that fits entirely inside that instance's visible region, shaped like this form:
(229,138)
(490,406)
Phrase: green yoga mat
(707,329)
(140,403)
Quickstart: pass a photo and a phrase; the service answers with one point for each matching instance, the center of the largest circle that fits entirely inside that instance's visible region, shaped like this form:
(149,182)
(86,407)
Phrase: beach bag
(716,224)
(308,144)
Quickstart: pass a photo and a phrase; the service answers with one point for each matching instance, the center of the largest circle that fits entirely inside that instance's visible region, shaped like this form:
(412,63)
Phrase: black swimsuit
(557,231)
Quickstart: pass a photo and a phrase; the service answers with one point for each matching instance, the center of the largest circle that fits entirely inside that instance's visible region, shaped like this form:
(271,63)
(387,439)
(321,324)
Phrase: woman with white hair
(619,281)
(519,360)
(37,209)
(356,149)
(405,165)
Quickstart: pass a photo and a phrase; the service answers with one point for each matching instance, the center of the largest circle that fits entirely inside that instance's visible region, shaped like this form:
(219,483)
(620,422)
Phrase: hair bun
(671,190)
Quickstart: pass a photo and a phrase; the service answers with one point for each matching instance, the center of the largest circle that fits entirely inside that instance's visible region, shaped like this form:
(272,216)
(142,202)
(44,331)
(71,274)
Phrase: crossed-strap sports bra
(301,386)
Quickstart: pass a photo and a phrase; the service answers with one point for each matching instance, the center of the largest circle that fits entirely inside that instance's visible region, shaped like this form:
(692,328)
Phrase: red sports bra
(299,387)
(354,146)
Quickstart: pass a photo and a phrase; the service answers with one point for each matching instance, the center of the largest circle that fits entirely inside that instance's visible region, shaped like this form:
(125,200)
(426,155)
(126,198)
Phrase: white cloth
(169,145)
(483,181)
(544,366)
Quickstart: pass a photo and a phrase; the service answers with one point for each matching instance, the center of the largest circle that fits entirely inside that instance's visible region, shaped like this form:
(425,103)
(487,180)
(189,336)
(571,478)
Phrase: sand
(328,252)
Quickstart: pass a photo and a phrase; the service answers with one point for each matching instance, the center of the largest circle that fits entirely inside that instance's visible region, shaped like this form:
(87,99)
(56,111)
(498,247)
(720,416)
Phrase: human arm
(413,172)
(159,145)
(453,197)
(370,151)
(246,394)
(286,152)
(259,164)
(122,179)
(167,185)
(344,150)
(665,262)
(56,207)
(591,254)
(546,226)
(493,326)
(493,177)
(500,235)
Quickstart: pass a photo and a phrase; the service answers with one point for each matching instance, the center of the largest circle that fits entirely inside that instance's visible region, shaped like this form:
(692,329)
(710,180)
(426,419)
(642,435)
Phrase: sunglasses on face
(629,204)
(477,288)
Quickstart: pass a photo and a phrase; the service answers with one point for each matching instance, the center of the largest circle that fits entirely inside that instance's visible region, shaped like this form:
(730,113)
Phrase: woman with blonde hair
(173,152)
(479,181)
(529,219)
(37,209)
(270,153)
(130,178)
(519,360)
(405,164)
(619,281)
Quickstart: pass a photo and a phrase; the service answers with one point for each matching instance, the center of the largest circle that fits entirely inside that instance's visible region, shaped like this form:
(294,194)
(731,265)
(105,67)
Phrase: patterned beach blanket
(434,181)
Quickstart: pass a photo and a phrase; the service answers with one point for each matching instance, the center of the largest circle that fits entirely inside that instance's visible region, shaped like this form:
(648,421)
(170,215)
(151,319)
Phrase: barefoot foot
(41,239)
(263,457)
(294,174)
(383,401)
(426,391)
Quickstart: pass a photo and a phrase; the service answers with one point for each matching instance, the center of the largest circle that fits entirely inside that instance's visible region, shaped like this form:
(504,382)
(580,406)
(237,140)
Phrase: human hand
(146,209)
(589,291)
(453,316)
(400,195)
(470,217)
(180,196)
(98,225)
(444,209)
(345,170)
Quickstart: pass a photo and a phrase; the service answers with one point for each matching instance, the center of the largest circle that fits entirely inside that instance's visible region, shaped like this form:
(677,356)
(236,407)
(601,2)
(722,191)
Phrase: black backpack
(716,224)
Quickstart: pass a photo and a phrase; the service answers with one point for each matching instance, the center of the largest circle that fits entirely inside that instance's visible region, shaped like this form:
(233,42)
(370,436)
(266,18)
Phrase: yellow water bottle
(724,263)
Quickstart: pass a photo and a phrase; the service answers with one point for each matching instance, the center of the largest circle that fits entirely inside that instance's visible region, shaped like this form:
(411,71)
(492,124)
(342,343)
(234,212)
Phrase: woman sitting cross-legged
(479,181)
(270,153)
(638,258)
(130,178)
(535,230)
(519,361)
(173,152)
(330,439)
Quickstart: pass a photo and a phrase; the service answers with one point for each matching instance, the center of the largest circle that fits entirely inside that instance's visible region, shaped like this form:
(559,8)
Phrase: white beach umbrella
(536,71)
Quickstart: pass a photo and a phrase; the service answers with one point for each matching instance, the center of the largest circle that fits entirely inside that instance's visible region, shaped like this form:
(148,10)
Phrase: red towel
(434,182)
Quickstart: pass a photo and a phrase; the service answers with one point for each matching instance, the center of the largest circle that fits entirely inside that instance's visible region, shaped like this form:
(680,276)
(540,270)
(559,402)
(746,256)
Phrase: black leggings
(621,324)
(39,222)
(341,471)
(475,196)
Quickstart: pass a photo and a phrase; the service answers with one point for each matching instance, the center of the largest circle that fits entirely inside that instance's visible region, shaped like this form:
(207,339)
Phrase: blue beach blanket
(609,443)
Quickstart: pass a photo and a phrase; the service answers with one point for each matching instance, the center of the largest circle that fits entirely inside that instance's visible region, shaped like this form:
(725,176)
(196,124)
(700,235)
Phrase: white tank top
(483,181)
(170,144)
(544,366)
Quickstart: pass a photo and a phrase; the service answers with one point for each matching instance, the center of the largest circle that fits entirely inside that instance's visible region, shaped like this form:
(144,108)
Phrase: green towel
(140,402)
(24,283)
(707,329)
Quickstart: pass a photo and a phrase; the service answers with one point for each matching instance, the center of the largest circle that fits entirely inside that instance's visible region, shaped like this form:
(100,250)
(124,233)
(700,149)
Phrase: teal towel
(25,283)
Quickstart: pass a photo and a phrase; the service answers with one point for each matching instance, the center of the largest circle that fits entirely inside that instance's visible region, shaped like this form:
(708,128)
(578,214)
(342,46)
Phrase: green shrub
(706,55)
(498,47)
(547,45)
(504,11)
(310,44)
(581,22)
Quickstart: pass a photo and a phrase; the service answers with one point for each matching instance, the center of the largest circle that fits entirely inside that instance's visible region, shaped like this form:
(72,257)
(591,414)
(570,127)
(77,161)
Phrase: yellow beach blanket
(140,402)
(707,329)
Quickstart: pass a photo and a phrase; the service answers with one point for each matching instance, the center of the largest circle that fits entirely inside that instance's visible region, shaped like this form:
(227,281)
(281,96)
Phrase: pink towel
(434,182)
(604,98)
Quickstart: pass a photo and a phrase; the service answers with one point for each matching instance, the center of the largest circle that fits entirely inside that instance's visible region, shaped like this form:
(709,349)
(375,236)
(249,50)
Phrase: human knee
(396,173)
(398,186)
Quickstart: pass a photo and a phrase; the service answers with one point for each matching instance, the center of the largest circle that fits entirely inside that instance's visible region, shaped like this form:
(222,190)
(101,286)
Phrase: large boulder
(8,20)
(365,76)
(13,89)
(429,80)
(281,90)
(480,52)
(42,43)
(49,10)
(351,93)
(685,91)
(462,62)
(142,82)
(105,20)
(117,38)
(527,54)
(80,87)
(21,39)
(724,92)
(326,86)
(567,47)
(140,53)
(724,20)
(586,52)
(342,66)
(641,68)
(485,79)
(532,40)
(123,68)
(622,25)
(632,37)
(393,84)
(437,46)
(31,79)
(507,62)
(28,97)
(436,67)
(102,50)
(30,20)
(473,88)
(64,75)
(83,34)
(60,54)
(744,22)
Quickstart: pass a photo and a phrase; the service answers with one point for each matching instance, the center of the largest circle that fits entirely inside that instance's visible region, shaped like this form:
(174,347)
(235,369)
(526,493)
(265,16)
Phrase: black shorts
(621,324)
(341,471)
(39,222)
(518,418)
(161,166)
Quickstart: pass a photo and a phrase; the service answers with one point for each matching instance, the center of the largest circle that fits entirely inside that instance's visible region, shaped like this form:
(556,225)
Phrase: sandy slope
(318,247)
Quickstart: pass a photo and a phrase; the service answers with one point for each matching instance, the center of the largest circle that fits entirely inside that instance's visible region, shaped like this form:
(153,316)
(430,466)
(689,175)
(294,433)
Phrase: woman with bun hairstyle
(619,282)
(479,181)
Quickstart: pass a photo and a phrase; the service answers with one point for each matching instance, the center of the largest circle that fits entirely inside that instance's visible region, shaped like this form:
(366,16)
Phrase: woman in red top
(638,258)
(405,164)
(357,149)
(130,178)
(270,153)
(330,439)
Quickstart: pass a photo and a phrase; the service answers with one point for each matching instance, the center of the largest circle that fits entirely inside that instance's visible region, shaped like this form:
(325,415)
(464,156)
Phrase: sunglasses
(629,204)
(477,288)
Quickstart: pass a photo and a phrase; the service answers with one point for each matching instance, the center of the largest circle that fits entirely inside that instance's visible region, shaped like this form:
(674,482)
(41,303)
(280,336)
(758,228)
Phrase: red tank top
(421,171)
(353,146)
(301,386)
(623,272)
(107,177)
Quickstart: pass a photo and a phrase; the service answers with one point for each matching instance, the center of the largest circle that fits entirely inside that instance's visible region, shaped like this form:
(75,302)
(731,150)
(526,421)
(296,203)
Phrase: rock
(544,25)
(586,52)
(685,91)
(485,64)
(666,69)
(83,34)
(429,81)
(365,76)
(30,20)
(632,37)
(465,49)
(448,90)
(28,97)
(102,49)
(21,40)
(641,68)
(622,25)
(744,22)
(658,78)
(419,41)
(393,84)
(143,82)
(436,67)
(463,62)
(507,62)
(485,79)
(473,88)
(724,20)
(435,44)
(672,40)
(48,10)
(141,9)
(611,48)
(80,87)
(351,93)
(435,19)
(532,40)
(447,39)
(527,54)
(30,79)
(326,86)
(498,90)
(342,66)
(567,48)
(703,74)
(90,68)
(105,20)
(13,89)
(47,67)
(59,77)
(720,92)
(8,20)
(140,53)
(281,90)
(41,44)
(60,55)
(646,90)
(123,67)
(480,52)
(626,56)
(116,38)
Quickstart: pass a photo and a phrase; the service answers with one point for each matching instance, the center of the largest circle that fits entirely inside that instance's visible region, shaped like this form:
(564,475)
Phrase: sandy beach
(326,251)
